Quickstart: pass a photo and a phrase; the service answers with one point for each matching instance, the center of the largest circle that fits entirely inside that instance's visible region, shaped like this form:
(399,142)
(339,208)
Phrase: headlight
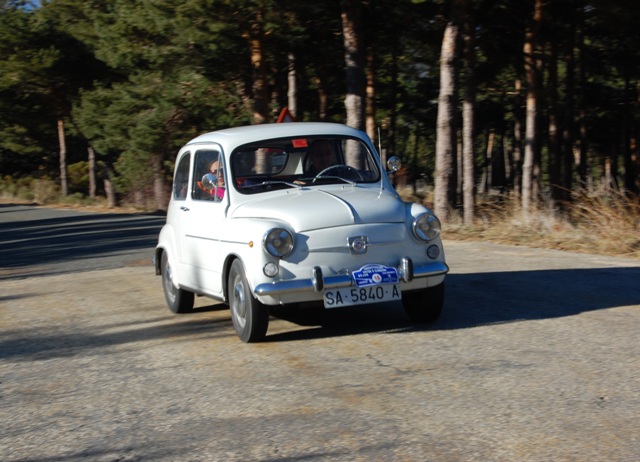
(426,227)
(278,242)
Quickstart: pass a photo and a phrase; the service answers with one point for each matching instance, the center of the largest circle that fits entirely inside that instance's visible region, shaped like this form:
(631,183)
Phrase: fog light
(270,270)
(433,252)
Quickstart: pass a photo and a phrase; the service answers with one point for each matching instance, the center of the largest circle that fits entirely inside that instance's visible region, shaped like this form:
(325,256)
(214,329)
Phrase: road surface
(536,358)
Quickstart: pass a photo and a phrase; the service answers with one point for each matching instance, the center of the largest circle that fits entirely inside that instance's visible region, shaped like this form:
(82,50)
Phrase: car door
(203,254)
(179,203)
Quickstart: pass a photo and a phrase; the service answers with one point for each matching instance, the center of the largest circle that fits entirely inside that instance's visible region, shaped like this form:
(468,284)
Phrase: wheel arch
(157,259)
(225,273)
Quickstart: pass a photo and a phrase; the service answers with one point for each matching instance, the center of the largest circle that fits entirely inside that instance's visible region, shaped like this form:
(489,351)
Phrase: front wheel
(423,306)
(250,317)
(178,300)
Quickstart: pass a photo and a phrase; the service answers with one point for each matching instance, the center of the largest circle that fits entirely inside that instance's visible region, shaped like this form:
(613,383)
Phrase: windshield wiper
(318,179)
(271,182)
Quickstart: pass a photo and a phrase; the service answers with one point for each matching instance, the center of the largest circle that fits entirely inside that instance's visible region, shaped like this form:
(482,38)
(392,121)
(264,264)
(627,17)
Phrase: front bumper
(317,282)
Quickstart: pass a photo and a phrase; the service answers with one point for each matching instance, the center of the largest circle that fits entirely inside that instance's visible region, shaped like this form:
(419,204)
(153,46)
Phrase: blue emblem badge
(370,275)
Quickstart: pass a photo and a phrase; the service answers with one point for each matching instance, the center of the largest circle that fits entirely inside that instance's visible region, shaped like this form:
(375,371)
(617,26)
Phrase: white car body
(337,225)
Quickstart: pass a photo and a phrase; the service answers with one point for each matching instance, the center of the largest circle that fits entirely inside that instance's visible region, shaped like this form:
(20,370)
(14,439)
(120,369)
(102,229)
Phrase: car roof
(251,133)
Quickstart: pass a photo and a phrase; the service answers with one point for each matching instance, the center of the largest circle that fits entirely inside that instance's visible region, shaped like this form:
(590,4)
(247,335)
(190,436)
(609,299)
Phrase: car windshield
(302,161)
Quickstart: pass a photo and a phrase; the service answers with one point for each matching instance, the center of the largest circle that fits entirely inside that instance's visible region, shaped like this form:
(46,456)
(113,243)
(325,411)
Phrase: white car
(281,214)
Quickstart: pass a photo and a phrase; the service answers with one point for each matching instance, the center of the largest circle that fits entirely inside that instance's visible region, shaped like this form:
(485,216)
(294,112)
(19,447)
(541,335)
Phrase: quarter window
(181,180)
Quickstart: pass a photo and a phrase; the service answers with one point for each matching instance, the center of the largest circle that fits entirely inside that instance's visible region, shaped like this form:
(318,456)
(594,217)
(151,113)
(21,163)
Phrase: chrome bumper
(406,271)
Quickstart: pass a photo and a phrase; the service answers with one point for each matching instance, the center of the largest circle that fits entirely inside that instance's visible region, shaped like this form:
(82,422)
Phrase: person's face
(213,168)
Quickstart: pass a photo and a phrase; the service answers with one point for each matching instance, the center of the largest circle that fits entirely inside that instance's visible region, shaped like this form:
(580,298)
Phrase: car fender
(244,236)
(167,243)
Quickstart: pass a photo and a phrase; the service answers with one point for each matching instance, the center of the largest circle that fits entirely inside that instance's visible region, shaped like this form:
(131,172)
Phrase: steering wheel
(348,172)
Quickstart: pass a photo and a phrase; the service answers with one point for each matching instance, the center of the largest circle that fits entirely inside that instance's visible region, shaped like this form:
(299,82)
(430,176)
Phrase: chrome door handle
(184,209)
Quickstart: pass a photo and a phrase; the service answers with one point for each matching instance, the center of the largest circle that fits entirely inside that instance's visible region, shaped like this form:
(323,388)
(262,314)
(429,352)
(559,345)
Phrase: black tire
(178,300)
(424,306)
(250,317)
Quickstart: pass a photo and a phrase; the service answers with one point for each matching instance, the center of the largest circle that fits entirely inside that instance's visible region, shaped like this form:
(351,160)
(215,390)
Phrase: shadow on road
(481,299)
(472,300)
(43,344)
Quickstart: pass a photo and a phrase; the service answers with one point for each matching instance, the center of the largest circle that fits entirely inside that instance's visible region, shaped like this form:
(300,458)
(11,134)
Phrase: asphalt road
(536,358)
(38,241)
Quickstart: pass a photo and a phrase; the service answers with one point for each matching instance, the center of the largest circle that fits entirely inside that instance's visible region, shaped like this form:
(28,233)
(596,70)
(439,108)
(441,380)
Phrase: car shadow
(478,299)
(42,343)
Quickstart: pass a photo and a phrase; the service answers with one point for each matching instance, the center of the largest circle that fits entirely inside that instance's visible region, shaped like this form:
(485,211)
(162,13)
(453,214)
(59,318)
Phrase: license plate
(349,296)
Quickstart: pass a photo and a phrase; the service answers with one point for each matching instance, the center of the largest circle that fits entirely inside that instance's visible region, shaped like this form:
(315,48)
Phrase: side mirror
(209,181)
(393,164)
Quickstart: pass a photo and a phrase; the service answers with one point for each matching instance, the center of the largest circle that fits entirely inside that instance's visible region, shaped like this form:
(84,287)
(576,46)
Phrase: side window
(181,179)
(208,161)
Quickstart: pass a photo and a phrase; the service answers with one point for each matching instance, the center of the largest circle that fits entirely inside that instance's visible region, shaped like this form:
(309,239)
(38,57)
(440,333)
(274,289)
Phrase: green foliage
(136,79)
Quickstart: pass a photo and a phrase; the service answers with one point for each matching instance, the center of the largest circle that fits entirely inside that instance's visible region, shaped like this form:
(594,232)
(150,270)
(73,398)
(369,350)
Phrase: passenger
(219,190)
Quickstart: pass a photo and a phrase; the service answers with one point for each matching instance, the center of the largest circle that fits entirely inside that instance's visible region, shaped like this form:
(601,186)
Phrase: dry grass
(597,224)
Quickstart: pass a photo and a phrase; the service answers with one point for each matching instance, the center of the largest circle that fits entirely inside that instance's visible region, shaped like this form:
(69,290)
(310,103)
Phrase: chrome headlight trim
(278,242)
(426,227)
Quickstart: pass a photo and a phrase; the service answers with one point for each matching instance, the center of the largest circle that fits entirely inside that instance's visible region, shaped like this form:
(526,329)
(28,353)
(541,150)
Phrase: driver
(320,157)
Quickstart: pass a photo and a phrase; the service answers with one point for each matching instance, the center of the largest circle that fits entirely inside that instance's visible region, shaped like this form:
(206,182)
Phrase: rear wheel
(423,306)
(250,317)
(178,300)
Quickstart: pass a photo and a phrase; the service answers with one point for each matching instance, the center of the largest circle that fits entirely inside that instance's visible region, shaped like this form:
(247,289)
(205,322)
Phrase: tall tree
(531,124)
(446,141)
(354,52)
(468,115)
(260,90)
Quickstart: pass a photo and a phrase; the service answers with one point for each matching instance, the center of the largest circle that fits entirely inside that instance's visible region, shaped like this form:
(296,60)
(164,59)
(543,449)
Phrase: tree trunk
(260,87)
(370,111)
(160,198)
(354,59)
(92,171)
(445,174)
(486,182)
(64,186)
(292,90)
(630,172)
(110,192)
(581,158)
(468,120)
(531,128)
(568,135)
(323,98)
(554,166)
(516,170)
(636,152)
(391,139)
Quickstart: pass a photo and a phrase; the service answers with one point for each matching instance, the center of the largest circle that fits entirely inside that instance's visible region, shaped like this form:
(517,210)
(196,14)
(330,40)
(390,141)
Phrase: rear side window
(181,179)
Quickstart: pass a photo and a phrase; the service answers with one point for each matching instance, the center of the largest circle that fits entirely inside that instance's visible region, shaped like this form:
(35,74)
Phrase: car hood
(307,209)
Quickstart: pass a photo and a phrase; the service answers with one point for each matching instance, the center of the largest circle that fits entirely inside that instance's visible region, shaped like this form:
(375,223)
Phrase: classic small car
(283,214)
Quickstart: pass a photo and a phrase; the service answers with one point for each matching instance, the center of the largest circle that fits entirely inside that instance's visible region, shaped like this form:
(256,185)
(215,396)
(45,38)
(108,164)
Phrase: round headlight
(426,227)
(278,242)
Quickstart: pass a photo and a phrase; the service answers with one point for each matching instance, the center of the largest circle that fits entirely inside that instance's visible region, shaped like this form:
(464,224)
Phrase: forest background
(515,119)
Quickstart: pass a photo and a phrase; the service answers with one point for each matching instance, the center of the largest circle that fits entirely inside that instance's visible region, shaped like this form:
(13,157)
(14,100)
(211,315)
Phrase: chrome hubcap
(168,282)
(239,305)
